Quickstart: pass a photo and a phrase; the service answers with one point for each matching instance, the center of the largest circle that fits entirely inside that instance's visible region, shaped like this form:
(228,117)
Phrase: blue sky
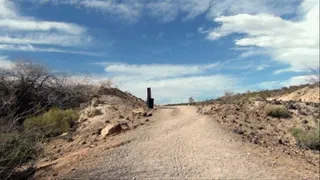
(180,48)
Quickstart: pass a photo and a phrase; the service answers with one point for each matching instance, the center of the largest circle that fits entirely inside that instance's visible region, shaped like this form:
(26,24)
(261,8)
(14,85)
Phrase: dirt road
(178,143)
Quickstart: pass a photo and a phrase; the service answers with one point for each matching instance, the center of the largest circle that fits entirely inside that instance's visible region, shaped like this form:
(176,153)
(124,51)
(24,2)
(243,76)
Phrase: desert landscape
(112,134)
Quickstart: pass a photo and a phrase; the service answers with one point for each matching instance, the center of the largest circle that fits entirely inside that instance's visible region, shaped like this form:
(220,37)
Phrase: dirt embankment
(110,113)
(306,94)
(251,122)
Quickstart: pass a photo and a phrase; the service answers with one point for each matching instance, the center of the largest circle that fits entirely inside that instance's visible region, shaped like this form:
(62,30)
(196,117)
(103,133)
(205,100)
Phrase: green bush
(52,123)
(307,139)
(278,112)
(16,149)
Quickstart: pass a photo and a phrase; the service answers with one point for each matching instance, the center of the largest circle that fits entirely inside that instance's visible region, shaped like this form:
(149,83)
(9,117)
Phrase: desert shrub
(51,123)
(278,112)
(307,139)
(28,89)
(16,149)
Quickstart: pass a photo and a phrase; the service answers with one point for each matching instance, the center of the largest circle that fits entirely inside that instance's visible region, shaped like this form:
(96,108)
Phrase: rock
(291,105)
(107,121)
(82,119)
(147,120)
(98,132)
(121,116)
(111,129)
(305,121)
(124,126)
(137,112)
(84,105)
(64,134)
(280,141)
(238,131)
(95,102)
(93,112)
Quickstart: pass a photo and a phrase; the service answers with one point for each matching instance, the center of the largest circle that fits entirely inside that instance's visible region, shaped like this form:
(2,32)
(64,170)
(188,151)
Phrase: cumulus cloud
(294,43)
(170,83)
(292,81)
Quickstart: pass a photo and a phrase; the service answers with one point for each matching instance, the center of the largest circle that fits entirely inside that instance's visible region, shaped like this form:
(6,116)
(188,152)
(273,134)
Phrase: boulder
(111,129)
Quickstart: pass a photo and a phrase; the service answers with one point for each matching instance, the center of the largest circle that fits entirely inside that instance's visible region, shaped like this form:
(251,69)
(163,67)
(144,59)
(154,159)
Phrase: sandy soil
(177,143)
(306,94)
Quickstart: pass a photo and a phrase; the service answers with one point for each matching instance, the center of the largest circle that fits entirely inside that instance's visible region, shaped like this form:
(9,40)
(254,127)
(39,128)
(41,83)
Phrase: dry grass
(307,139)
(278,112)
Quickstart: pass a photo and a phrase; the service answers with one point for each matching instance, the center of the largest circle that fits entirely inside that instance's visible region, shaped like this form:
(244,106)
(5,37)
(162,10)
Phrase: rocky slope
(110,112)
(250,120)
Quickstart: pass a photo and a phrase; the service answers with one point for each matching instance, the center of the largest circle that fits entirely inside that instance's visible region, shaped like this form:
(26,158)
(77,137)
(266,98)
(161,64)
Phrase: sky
(179,48)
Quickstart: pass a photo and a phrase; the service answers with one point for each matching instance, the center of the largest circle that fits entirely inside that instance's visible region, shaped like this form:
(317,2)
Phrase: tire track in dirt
(178,144)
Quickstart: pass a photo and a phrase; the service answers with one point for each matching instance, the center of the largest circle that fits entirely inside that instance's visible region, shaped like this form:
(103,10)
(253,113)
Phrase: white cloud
(5,62)
(10,19)
(234,7)
(169,10)
(7,9)
(128,11)
(294,43)
(45,39)
(166,11)
(29,24)
(31,48)
(181,88)
(292,81)
(20,33)
(151,71)
(169,83)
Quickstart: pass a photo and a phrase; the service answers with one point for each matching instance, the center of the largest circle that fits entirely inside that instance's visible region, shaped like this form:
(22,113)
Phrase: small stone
(107,121)
(83,142)
(238,131)
(147,120)
(121,116)
(70,139)
(59,151)
(98,132)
